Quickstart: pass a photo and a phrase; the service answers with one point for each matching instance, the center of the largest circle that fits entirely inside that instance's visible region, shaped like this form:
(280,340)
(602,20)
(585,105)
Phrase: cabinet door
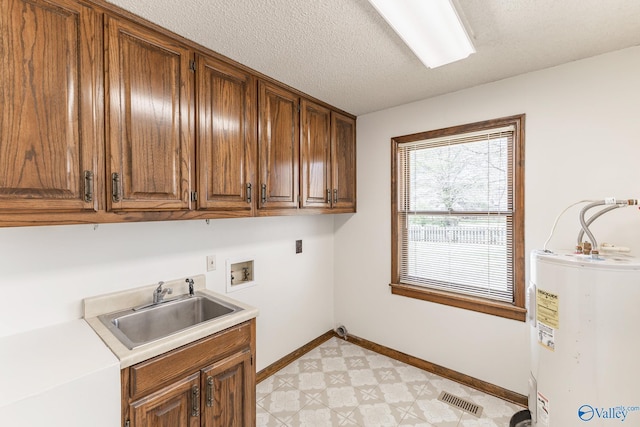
(278,140)
(343,140)
(229,392)
(226,136)
(177,405)
(149,94)
(50,130)
(315,155)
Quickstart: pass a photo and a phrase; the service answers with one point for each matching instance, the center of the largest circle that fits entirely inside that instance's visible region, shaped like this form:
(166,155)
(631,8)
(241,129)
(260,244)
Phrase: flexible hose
(583,223)
(594,217)
(585,227)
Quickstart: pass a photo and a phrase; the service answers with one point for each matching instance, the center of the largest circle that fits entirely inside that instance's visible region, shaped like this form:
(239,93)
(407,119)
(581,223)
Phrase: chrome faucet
(159,293)
(190,282)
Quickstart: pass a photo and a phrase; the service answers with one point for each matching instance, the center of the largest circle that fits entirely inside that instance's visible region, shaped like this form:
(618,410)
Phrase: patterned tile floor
(342,384)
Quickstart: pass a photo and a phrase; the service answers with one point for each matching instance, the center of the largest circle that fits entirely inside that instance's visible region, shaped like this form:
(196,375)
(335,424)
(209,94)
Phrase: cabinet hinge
(194,196)
(192,66)
(252,360)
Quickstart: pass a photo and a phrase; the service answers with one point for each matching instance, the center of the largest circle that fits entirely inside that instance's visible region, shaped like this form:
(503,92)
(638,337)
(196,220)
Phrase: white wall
(45,272)
(582,142)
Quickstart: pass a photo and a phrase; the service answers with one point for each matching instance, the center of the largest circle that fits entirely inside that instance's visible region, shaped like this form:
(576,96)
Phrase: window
(458,216)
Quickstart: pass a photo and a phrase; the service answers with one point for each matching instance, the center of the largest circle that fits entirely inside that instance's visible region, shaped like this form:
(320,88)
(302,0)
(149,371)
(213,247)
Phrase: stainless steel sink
(135,327)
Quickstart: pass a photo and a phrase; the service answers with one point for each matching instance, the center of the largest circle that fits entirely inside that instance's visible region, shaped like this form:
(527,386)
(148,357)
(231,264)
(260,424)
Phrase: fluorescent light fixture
(431,28)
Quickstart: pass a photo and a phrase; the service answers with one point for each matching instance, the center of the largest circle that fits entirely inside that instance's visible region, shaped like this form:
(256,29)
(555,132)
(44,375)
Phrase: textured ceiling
(344,53)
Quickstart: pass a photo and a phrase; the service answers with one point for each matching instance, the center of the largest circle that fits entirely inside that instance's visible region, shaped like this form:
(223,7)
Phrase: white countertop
(64,371)
(41,359)
(95,306)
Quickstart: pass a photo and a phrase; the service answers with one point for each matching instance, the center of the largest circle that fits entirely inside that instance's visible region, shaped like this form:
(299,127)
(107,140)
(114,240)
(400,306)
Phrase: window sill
(494,308)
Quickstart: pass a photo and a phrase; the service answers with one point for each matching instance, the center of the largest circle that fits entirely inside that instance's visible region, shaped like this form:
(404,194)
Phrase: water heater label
(547,318)
(546,336)
(547,308)
(542,410)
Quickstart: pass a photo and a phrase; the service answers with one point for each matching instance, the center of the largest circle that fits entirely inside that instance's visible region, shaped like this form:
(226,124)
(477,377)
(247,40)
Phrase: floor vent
(461,404)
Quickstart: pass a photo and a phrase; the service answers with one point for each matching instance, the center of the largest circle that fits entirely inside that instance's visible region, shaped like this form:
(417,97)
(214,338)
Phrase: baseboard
(456,376)
(281,363)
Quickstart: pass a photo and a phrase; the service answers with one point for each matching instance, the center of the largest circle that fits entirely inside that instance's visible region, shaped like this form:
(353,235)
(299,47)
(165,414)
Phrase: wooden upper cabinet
(278,151)
(343,141)
(149,91)
(105,117)
(226,142)
(328,157)
(177,405)
(315,155)
(50,114)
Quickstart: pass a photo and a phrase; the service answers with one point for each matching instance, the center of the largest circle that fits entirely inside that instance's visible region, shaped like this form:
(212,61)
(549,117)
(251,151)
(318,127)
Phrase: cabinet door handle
(115,187)
(328,196)
(249,193)
(263,195)
(195,401)
(88,186)
(335,196)
(209,392)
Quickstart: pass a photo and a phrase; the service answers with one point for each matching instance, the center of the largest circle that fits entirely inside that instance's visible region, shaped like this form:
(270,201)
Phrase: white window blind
(455,213)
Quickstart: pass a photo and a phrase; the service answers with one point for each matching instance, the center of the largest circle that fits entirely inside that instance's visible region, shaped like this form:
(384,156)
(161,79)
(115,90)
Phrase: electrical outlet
(298,246)
(211,262)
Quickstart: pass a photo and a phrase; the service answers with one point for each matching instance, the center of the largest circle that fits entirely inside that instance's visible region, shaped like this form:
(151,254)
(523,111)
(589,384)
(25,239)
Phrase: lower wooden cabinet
(176,405)
(209,383)
(226,399)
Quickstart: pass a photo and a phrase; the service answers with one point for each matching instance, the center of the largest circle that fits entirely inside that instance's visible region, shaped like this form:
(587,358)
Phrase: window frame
(515,310)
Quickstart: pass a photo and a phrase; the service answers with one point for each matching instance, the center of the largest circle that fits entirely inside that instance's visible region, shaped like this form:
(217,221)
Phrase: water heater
(584,317)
